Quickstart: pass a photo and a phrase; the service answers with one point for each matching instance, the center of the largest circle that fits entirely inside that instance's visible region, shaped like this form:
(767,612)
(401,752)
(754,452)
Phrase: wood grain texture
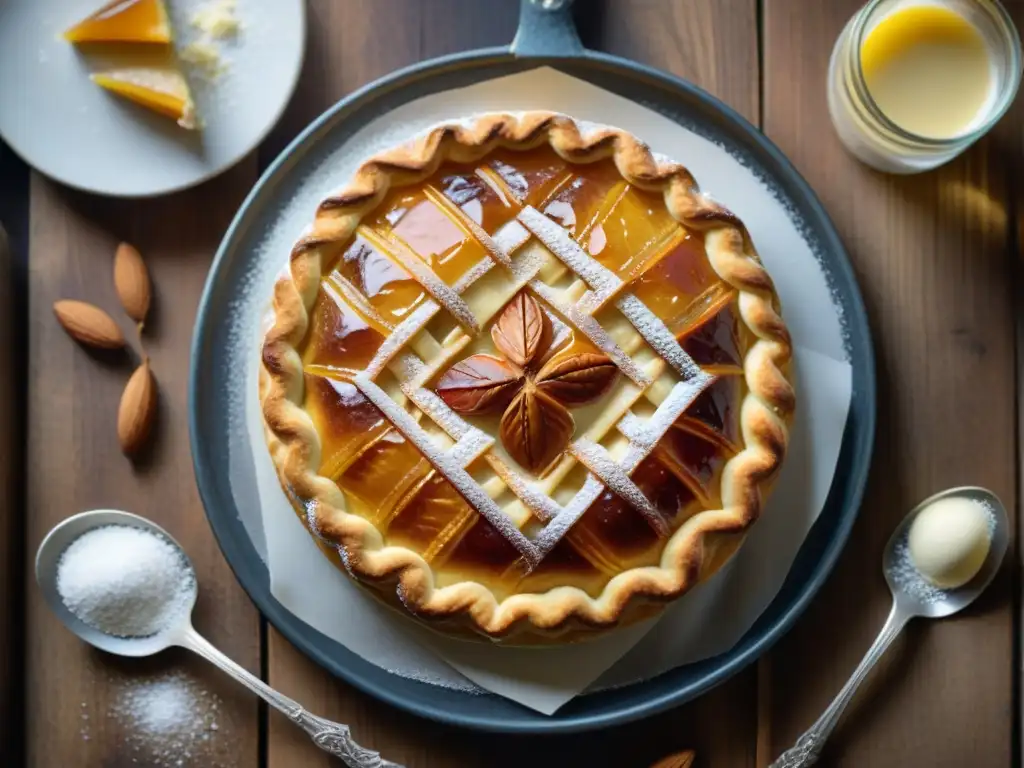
(13,386)
(931,253)
(712,43)
(935,258)
(75,463)
(10,514)
(1018,282)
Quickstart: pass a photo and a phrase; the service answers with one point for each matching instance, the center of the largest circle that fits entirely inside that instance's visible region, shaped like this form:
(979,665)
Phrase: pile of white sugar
(125,581)
(172,720)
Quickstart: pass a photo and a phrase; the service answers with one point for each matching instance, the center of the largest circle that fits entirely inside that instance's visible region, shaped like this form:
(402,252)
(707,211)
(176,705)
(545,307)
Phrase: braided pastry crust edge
(695,551)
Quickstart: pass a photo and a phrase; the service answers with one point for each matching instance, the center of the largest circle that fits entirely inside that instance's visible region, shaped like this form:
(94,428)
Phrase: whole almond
(88,324)
(137,411)
(678,760)
(131,280)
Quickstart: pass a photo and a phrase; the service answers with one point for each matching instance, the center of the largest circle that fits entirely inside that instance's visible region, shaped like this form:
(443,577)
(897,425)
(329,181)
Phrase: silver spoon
(331,737)
(907,604)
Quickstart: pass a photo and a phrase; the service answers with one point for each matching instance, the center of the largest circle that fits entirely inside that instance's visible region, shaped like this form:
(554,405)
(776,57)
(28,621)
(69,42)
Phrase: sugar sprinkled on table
(171,721)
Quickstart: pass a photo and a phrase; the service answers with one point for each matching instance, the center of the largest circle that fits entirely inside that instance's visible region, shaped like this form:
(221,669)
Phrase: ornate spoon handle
(808,747)
(333,738)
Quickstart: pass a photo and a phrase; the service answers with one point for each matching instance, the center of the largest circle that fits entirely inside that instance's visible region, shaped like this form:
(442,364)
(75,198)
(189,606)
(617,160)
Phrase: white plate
(77,133)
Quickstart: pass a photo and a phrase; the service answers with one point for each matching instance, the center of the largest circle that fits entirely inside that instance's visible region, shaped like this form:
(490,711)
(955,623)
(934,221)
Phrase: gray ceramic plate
(545,40)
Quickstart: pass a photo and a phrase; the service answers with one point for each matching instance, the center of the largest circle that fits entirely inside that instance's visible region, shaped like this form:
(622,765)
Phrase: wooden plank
(1010,134)
(74,463)
(713,43)
(931,255)
(720,726)
(10,515)
(1009,137)
(14,176)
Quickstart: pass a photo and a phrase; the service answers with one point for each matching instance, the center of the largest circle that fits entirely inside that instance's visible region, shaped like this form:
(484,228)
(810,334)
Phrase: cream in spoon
(952,527)
(949,541)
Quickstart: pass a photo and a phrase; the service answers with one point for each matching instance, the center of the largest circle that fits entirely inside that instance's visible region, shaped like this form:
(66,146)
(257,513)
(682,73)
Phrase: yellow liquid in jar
(928,70)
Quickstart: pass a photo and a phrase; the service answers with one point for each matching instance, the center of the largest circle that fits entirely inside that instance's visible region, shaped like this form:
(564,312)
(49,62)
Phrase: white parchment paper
(710,619)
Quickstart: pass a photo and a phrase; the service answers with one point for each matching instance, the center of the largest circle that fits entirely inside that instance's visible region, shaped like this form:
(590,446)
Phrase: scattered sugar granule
(125,581)
(84,728)
(170,721)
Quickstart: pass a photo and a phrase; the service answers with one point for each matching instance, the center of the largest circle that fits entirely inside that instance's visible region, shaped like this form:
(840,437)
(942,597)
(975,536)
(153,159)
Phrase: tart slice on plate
(124,21)
(139,33)
(525,381)
(154,82)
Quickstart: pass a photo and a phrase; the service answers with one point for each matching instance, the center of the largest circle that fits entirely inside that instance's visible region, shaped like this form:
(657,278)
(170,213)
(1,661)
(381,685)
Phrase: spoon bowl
(914,595)
(48,557)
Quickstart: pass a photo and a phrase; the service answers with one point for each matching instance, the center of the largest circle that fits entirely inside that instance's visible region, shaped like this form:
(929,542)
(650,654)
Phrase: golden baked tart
(524,380)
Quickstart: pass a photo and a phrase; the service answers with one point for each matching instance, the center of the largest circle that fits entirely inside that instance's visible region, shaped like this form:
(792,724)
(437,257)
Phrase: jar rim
(862,26)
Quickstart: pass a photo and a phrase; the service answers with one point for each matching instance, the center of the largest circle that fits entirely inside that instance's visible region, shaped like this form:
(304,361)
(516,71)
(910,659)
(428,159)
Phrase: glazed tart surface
(525,379)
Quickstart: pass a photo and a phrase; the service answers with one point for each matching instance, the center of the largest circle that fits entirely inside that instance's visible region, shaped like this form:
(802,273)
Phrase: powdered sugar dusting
(646,436)
(424,677)
(446,296)
(597,460)
(909,580)
(473,274)
(511,237)
(593,331)
(557,240)
(438,410)
(658,335)
(455,474)
(557,528)
(401,336)
(409,369)
(542,505)
(470,447)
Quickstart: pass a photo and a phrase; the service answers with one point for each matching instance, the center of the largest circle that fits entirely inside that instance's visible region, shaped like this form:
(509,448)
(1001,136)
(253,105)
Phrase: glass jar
(875,139)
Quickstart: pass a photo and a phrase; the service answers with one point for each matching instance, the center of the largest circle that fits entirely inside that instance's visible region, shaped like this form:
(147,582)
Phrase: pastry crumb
(205,58)
(217,19)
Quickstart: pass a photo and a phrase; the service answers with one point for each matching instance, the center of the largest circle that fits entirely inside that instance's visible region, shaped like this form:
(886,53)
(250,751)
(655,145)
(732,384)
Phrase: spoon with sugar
(125,586)
(940,558)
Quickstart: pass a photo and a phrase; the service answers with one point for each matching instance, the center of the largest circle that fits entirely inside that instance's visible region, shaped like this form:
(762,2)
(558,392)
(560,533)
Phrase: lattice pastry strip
(407,332)
(604,471)
(453,471)
(605,284)
(538,502)
(472,443)
(411,354)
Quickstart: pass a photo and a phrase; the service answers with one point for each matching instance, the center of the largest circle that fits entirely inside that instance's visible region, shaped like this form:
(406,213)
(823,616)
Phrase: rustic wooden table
(939,263)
